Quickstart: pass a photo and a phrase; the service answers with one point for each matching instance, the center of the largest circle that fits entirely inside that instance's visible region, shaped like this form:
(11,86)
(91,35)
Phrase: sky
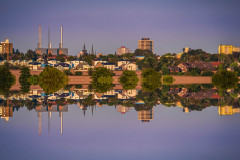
(110,24)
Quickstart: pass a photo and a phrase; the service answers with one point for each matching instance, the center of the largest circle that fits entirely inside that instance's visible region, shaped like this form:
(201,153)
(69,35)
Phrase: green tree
(151,80)
(165,70)
(225,80)
(23,79)
(51,80)
(128,79)
(102,79)
(33,79)
(7,79)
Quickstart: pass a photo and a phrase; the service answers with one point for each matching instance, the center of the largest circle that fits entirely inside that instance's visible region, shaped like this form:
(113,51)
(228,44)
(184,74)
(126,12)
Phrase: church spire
(92,51)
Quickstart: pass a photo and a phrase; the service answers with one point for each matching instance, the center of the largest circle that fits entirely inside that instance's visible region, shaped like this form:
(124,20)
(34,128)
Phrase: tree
(128,79)
(102,79)
(225,80)
(151,79)
(78,73)
(7,79)
(33,80)
(51,80)
(165,70)
(23,79)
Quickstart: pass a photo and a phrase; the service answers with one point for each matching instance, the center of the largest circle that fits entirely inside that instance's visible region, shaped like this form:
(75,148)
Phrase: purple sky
(108,24)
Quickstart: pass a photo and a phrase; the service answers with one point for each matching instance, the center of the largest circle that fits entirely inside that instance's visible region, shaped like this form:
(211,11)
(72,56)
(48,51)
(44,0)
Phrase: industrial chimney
(61,42)
(49,43)
(39,42)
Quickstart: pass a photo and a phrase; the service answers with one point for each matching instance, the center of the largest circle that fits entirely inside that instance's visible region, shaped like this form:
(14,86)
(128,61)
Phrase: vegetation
(225,80)
(151,80)
(51,80)
(23,79)
(7,79)
(167,80)
(128,79)
(33,80)
(102,79)
(78,73)
(68,72)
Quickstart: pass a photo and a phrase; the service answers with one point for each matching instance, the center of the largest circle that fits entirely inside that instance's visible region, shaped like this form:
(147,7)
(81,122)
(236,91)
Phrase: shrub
(23,79)
(78,73)
(167,80)
(207,73)
(33,80)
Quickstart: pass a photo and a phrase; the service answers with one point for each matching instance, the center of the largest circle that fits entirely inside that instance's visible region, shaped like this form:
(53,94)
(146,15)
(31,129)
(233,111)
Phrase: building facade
(227,49)
(6,47)
(123,50)
(145,44)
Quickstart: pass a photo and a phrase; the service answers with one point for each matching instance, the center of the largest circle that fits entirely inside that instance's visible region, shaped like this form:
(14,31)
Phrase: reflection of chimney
(40,38)
(61,115)
(49,43)
(39,121)
(61,42)
(49,115)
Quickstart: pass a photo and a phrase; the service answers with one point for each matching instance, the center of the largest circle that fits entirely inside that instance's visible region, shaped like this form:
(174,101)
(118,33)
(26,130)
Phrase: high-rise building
(227,49)
(123,50)
(6,47)
(186,49)
(145,44)
(145,115)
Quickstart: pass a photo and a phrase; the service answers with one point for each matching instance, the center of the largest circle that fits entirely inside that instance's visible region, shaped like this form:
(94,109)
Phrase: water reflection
(189,98)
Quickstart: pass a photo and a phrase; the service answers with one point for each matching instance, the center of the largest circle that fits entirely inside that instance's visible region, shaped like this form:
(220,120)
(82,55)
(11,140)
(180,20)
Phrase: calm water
(74,131)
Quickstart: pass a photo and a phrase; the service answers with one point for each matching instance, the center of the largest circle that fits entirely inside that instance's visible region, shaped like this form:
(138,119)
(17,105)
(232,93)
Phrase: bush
(128,79)
(207,73)
(165,70)
(225,80)
(90,71)
(167,80)
(68,72)
(78,86)
(78,73)
(52,79)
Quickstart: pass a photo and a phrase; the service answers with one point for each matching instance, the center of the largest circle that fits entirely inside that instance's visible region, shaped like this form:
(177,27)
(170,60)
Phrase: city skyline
(111,24)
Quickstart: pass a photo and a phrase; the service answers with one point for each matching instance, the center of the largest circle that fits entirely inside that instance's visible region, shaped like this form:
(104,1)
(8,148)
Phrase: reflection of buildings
(227,110)
(123,109)
(50,109)
(145,115)
(6,112)
(185,109)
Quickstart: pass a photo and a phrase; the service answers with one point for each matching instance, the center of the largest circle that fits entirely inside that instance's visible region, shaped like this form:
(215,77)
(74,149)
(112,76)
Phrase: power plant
(50,50)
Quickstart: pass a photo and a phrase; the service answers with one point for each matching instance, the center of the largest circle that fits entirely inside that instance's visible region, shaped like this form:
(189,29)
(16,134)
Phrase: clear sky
(109,24)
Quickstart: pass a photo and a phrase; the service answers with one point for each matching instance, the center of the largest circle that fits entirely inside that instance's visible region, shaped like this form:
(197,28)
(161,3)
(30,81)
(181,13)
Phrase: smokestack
(49,43)
(40,38)
(61,42)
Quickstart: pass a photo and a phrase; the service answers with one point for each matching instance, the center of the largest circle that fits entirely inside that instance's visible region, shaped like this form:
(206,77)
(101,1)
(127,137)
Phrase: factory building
(50,50)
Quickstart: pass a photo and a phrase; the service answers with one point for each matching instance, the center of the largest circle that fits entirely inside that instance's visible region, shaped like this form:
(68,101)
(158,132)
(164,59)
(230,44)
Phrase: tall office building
(145,115)
(145,44)
(123,50)
(227,49)
(6,47)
